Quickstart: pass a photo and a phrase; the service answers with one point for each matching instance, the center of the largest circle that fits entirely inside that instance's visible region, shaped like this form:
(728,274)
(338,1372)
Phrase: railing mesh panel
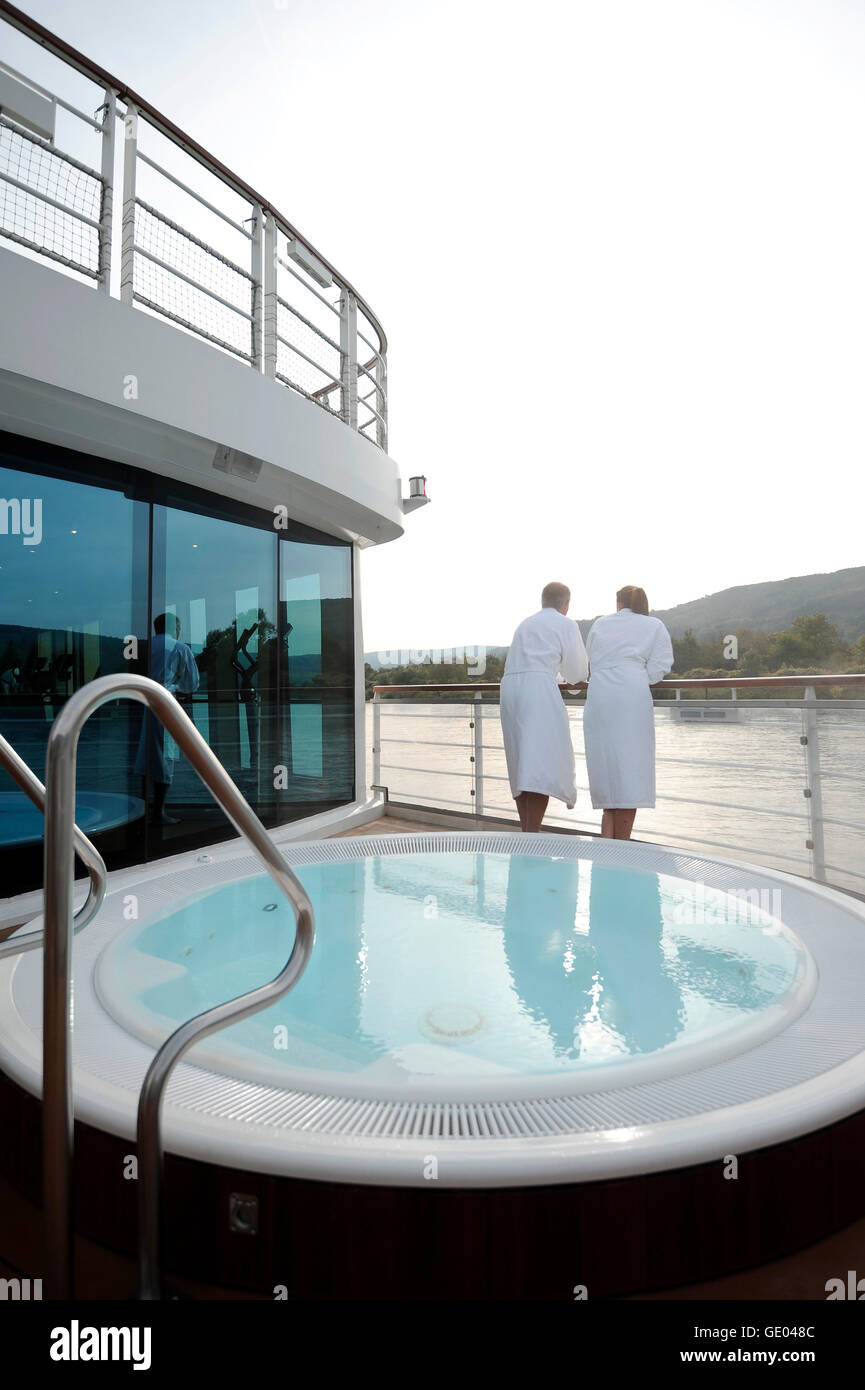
(25,215)
(191,304)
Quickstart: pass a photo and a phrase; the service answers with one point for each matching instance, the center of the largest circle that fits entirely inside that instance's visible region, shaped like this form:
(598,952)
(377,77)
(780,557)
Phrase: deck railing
(193,243)
(782,786)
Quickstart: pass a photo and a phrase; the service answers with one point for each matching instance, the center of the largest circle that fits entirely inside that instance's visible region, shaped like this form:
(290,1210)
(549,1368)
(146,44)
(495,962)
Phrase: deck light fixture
(416,494)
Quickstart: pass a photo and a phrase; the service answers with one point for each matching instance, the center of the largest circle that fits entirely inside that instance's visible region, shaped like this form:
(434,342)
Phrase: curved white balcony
(167,315)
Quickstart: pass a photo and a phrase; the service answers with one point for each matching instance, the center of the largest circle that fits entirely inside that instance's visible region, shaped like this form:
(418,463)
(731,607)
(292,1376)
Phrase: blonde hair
(633,598)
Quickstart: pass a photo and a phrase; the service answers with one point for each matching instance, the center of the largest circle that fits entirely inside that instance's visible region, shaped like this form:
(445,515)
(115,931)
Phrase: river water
(734,789)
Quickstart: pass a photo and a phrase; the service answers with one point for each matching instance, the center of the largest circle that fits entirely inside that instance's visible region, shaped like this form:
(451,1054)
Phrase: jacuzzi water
(466,974)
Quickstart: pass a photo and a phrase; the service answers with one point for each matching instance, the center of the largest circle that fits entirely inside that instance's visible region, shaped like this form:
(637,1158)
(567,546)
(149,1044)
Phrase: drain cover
(452,1022)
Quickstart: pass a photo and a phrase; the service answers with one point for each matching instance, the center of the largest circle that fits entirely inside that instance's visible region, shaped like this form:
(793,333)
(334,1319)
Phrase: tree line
(811,645)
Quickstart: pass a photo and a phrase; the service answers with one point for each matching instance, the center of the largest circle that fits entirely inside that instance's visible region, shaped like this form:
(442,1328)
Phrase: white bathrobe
(535,729)
(174,666)
(627,653)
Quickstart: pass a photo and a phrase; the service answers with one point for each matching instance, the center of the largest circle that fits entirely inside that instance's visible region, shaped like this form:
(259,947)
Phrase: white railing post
(271,308)
(256,267)
(130,160)
(478,759)
(814,789)
(381,400)
(348,357)
(376,739)
(106,216)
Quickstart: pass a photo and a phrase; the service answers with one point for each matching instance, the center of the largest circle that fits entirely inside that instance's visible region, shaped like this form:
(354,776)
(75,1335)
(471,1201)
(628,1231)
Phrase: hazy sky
(617,248)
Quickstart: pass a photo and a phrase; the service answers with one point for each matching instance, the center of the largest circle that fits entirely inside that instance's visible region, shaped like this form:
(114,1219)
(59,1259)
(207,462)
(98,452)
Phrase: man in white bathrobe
(174,666)
(535,728)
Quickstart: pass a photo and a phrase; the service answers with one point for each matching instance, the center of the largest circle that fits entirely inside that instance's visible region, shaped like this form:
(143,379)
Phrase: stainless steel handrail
(89,855)
(57,1113)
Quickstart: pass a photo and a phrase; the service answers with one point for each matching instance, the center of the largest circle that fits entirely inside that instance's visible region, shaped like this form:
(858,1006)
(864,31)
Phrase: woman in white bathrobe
(629,652)
(535,728)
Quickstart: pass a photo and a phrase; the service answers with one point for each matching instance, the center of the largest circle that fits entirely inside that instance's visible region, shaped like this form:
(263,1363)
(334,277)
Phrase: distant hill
(772,607)
(769,607)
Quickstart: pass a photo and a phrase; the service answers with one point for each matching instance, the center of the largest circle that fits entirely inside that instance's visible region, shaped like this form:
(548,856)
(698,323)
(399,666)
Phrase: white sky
(618,247)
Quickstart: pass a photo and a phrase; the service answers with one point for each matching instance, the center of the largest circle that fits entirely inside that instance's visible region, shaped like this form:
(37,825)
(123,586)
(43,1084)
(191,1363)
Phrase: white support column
(256,267)
(271,309)
(814,789)
(130,160)
(106,217)
(478,758)
(348,357)
(376,739)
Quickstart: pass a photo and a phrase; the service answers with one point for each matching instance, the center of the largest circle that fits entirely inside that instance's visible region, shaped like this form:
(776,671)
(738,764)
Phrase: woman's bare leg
(521,808)
(624,823)
(608,825)
(536,805)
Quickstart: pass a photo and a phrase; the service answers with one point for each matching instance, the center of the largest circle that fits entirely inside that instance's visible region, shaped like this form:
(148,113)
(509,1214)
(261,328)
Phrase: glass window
(213,643)
(62,624)
(105,568)
(317,666)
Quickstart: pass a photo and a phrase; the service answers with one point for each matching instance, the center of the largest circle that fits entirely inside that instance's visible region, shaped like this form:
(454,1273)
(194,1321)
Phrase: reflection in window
(216,579)
(316,671)
(252,631)
(61,625)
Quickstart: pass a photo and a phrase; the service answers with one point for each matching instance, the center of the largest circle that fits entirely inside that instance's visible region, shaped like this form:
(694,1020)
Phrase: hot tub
(22,823)
(499,1038)
(476,976)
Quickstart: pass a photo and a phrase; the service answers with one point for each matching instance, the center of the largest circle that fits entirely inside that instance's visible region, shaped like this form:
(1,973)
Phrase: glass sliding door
(213,642)
(316,675)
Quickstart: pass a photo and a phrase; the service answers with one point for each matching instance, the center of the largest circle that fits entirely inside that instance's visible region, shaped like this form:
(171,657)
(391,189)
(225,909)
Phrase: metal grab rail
(89,855)
(57,1112)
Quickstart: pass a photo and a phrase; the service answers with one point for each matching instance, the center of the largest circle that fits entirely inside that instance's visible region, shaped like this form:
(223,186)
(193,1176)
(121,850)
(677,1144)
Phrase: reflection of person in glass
(173,665)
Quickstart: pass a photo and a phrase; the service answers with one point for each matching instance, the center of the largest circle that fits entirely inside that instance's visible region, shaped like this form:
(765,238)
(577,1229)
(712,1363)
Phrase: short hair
(555,595)
(160,623)
(633,598)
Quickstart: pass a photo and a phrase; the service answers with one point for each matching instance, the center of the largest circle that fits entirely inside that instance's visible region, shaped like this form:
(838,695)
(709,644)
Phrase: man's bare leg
(624,821)
(536,805)
(608,825)
(521,809)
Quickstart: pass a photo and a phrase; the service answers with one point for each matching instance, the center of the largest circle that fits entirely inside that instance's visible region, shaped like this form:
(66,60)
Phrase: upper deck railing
(193,243)
(782,787)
